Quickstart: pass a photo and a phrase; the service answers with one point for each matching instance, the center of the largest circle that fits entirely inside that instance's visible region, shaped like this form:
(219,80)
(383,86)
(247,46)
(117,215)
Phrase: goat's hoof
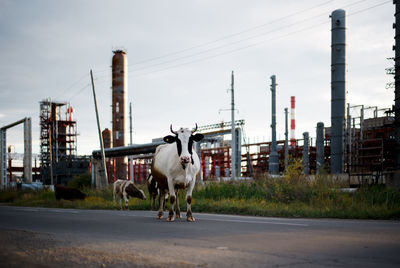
(160,215)
(171,218)
(190,218)
(178,216)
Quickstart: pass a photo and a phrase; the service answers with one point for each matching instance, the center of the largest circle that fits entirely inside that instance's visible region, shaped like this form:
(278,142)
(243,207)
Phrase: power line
(238,41)
(71,86)
(257,43)
(368,8)
(78,92)
(236,34)
(232,35)
(225,45)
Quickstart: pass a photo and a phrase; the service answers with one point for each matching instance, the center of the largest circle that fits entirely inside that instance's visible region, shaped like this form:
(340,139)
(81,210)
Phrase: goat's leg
(152,201)
(172,198)
(178,209)
(166,195)
(114,196)
(126,199)
(161,205)
(189,214)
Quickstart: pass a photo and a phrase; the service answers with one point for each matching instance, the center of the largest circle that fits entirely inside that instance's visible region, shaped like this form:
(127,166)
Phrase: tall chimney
(292,121)
(306,150)
(120,109)
(320,146)
(338,89)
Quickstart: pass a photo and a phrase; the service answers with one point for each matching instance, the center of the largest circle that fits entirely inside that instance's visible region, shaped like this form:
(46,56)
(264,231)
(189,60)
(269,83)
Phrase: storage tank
(107,138)
(120,109)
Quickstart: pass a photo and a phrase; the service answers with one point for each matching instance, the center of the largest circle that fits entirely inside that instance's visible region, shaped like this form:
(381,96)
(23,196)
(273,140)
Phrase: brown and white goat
(126,189)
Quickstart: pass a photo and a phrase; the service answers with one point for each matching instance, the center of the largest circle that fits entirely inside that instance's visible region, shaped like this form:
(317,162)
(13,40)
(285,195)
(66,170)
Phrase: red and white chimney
(292,121)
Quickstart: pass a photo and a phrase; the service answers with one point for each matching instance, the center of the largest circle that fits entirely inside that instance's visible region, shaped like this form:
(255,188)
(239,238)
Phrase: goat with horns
(175,166)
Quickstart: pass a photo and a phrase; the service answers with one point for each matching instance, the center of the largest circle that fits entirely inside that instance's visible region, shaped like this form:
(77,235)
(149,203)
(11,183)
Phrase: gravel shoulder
(31,249)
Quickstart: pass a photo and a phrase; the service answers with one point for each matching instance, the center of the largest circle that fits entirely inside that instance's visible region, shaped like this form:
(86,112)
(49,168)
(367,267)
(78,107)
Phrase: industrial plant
(353,146)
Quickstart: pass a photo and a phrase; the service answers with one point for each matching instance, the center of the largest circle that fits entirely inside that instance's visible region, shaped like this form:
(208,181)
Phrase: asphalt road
(46,237)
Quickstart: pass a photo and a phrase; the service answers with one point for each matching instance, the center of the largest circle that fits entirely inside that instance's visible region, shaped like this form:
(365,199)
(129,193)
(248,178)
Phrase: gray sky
(180,56)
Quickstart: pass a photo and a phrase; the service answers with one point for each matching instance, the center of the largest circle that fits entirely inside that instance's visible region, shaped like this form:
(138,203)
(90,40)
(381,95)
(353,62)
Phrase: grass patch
(294,195)
(280,198)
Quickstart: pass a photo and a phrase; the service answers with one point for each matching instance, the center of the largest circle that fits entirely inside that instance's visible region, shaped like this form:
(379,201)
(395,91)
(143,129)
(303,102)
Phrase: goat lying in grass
(67,193)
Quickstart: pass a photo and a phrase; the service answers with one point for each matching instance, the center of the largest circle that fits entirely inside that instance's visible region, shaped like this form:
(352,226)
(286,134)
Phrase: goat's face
(184,139)
(133,191)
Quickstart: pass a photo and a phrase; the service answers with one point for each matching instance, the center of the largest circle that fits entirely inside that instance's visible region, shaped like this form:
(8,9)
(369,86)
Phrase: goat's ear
(169,139)
(198,137)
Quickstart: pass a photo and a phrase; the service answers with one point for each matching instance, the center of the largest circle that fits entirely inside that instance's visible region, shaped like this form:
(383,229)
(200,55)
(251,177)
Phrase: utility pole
(286,140)
(233,142)
(103,158)
(130,142)
(273,157)
(130,123)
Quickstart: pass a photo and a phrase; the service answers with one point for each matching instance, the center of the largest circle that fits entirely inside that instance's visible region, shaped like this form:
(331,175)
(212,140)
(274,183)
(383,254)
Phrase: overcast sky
(180,57)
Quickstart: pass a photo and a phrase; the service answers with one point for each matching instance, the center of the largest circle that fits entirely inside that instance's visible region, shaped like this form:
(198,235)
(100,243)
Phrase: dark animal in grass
(67,193)
(154,191)
(126,189)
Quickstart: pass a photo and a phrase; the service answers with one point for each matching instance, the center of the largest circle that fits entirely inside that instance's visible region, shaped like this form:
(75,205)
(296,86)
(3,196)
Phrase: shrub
(80,181)
(8,196)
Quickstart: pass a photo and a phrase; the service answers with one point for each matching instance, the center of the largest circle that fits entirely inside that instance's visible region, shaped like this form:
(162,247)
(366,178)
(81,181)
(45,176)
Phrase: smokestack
(306,157)
(292,121)
(28,150)
(273,157)
(320,146)
(120,108)
(396,48)
(338,89)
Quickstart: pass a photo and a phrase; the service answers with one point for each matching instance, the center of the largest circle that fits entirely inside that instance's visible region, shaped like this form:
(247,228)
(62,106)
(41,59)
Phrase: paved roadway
(48,237)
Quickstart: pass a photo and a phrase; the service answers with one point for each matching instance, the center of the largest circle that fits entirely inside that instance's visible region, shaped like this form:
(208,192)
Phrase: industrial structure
(395,180)
(273,163)
(292,120)
(369,146)
(338,89)
(357,147)
(27,160)
(120,109)
(58,143)
(211,149)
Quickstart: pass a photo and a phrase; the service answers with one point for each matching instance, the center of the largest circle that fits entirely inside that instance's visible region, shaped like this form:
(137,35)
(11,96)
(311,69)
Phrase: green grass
(294,195)
(283,197)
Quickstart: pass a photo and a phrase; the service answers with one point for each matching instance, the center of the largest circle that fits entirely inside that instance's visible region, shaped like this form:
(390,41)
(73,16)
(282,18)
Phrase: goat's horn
(173,130)
(195,129)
